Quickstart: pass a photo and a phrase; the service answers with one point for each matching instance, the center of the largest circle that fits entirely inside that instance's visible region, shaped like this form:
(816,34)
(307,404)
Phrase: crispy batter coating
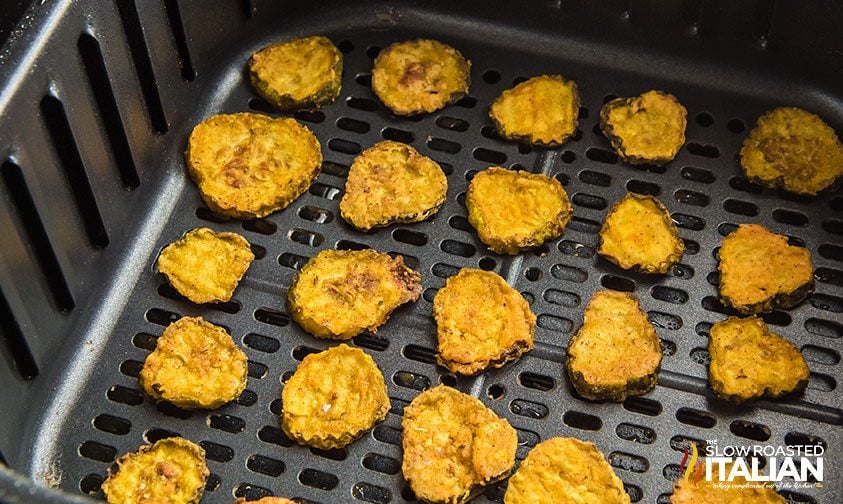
(565,471)
(639,234)
(542,110)
(696,490)
(303,73)
(171,471)
(340,293)
(204,266)
(391,182)
(420,76)
(333,398)
(250,165)
(749,361)
(759,271)
(514,210)
(645,129)
(453,446)
(195,365)
(616,352)
(793,149)
(482,323)
(265,500)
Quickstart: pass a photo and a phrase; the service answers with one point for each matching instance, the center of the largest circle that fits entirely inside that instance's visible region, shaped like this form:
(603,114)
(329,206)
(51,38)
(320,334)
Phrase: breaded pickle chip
(696,490)
(391,182)
(420,76)
(204,266)
(748,361)
(482,323)
(195,365)
(793,149)
(565,471)
(340,293)
(645,129)
(304,73)
(616,353)
(453,446)
(760,271)
(171,471)
(514,210)
(639,234)
(265,500)
(250,165)
(333,398)
(542,110)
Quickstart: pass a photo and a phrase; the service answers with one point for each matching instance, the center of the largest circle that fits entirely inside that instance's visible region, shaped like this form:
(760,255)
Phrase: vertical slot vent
(57,124)
(12,336)
(177,27)
(92,59)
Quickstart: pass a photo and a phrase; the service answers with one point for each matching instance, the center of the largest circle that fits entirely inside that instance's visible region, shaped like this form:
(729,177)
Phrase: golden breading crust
(420,76)
(565,471)
(645,129)
(171,470)
(543,110)
(391,182)
(793,149)
(333,398)
(696,490)
(516,210)
(340,293)
(195,365)
(304,73)
(748,361)
(204,266)
(759,271)
(639,234)
(250,165)
(453,446)
(482,323)
(616,353)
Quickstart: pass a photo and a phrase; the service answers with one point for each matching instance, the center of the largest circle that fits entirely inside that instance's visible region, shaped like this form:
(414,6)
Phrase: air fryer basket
(97,101)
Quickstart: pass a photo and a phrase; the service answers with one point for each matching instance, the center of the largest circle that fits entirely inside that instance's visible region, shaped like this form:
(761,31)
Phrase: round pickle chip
(565,471)
(250,165)
(646,129)
(696,489)
(793,149)
(195,364)
(340,293)
(542,110)
(204,266)
(172,470)
(333,398)
(482,323)
(639,234)
(513,211)
(391,182)
(304,73)
(420,76)
(453,446)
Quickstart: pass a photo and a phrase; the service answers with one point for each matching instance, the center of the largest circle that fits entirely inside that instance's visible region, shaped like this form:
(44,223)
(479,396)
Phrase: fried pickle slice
(453,446)
(333,398)
(749,361)
(542,110)
(482,323)
(760,271)
(696,490)
(195,365)
(420,76)
(391,182)
(515,210)
(341,293)
(639,234)
(645,129)
(265,500)
(565,471)
(171,471)
(204,266)
(793,149)
(616,353)
(250,165)
(303,73)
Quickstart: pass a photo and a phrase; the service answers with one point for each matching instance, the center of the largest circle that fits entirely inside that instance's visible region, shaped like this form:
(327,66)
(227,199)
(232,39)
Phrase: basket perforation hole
(429,294)
(371,342)
(681,443)
(261,105)
(247,398)
(697,175)
(582,421)
(750,430)
(251,492)
(469,174)
(829,276)
(419,354)
(257,370)
(704,119)
(217,452)
(344,146)
(173,411)
(490,132)
(461,199)
(742,184)
(368,492)
(467,102)
(740,207)
(97,451)
(601,155)
(700,356)
(274,435)
(736,126)
(563,179)
(293,261)
(821,382)
(166,290)
(609,97)
(351,245)
(410,237)
(589,201)
(584,225)
(496,391)
(443,270)
(691,198)
(276,407)
(519,80)
(311,116)
(315,214)
(704,150)
(824,328)
(212,483)
(261,343)
(145,341)
(636,433)
(528,296)
(536,381)
(669,294)
(258,251)
(398,135)
(449,379)
(643,405)
(345,46)
(821,355)
(672,473)
(91,484)
(597,131)
(305,237)
(686,221)
(562,298)
(533,274)
(452,123)
(804,440)
(265,465)
(576,249)
(489,155)
(261,226)
(726,228)
(697,418)
(568,273)
(123,395)
(301,351)
(833,252)
(161,317)
(833,226)
(528,409)
(353,125)
(683,271)
(112,424)
(204,213)
(487,263)
(457,248)
(387,434)
(363,104)
(554,323)
(617,283)
(381,463)
(373,51)
(131,368)
(595,178)
(410,380)
(667,347)
(789,217)
(664,320)
(337,454)
(628,462)
(442,145)
(272,317)
(491,76)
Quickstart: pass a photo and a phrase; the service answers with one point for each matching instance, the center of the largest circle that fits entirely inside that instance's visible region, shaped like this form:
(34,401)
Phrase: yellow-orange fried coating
(542,110)
(645,129)
(696,490)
